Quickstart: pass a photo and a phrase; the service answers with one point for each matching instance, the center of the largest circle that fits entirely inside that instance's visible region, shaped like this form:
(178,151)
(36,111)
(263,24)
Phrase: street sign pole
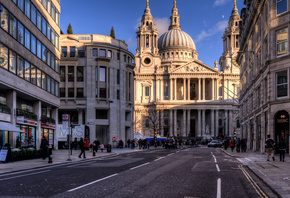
(69,138)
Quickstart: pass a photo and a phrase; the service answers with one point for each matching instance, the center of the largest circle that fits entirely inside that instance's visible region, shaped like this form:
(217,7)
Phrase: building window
(39,78)
(118,76)
(282,41)
(103,93)
(238,124)
(101,114)
(72,51)
(118,94)
(282,86)
(147,91)
(71,92)
(147,40)
(95,52)
(147,123)
(125,58)
(118,56)
(281,6)
(102,53)
(62,92)
(80,74)
(12,62)
(102,74)
(109,54)
(62,73)
(33,75)
(27,71)
(80,92)
(81,53)
(71,73)
(44,80)
(63,51)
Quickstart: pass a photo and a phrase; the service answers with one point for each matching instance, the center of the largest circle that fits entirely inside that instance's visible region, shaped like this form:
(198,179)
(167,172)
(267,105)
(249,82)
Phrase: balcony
(26,114)
(47,119)
(5,109)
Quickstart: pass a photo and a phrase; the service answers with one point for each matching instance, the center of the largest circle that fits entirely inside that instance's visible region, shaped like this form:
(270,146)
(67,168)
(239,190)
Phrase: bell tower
(147,42)
(174,18)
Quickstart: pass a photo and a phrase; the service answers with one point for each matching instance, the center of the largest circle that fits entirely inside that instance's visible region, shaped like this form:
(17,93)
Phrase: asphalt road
(185,173)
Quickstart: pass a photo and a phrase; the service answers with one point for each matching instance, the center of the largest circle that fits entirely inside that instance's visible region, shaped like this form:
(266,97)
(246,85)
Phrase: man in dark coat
(44,146)
(269,146)
(82,147)
(96,145)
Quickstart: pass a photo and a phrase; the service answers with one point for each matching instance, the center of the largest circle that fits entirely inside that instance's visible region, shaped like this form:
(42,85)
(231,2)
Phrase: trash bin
(109,148)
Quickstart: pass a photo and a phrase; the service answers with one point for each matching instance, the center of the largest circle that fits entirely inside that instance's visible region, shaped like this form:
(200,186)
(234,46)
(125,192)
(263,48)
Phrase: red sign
(282,116)
(64,116)
(114,139)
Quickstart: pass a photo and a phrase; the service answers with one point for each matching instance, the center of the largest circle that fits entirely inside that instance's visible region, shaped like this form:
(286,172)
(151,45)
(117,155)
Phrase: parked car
(215,143)
(170,143)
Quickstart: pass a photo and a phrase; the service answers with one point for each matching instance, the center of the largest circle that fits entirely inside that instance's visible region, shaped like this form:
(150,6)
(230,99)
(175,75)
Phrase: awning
(5,126)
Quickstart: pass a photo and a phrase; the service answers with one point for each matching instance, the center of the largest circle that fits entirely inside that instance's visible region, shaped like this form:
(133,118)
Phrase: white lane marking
(159,159)
(92,183)
(24,175)
(195,165)
(211,153)
(214,159)
(217,167)
(139,166)
(170,154)
(219,188)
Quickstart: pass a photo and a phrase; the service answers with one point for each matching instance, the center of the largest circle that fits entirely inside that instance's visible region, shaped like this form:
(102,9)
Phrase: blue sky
(204,20)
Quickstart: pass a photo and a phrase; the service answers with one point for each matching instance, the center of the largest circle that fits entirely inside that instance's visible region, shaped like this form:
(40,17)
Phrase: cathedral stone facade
(178,95)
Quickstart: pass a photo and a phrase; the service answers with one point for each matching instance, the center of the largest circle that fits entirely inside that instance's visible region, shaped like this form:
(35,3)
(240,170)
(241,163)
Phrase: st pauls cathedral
(178,95)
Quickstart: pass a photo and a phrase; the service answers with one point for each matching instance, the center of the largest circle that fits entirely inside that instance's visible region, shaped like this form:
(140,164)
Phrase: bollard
(49,154)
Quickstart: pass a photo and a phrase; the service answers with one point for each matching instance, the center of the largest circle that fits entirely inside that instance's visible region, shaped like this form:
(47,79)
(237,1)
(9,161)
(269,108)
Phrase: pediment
(193,67)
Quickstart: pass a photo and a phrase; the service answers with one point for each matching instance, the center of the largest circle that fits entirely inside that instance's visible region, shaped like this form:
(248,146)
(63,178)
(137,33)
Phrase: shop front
(28,138)
(47,131)
(282,127)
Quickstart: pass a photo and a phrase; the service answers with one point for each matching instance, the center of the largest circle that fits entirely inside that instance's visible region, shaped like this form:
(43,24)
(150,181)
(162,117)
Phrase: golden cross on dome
(235,4)
(174,3)
(147,3)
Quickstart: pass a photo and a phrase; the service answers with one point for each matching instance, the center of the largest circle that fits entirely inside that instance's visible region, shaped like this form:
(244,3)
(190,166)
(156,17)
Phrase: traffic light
(235,132)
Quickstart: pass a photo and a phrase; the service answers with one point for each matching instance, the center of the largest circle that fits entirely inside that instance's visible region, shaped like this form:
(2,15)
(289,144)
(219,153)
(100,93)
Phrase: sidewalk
(58,157)
(274,173)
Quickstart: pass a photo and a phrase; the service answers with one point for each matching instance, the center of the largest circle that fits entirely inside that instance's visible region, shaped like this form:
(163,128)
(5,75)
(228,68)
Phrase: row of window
(73,52)
(281,6)
(71,73)
(71,93)
(38,20)
(17,65)
(12,26)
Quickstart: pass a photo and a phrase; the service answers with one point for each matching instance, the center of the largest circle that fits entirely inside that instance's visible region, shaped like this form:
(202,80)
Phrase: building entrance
(192,128)
(282,128)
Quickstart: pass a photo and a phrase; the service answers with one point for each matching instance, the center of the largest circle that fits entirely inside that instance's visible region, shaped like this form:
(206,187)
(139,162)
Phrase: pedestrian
(226,143)
(238,145)
(140,143)
(102,147)
(96,145)
(82,147)
(44,146)
(282,149)
(243,145)
(132,143)
(269,146)
(232,144)
(128,143)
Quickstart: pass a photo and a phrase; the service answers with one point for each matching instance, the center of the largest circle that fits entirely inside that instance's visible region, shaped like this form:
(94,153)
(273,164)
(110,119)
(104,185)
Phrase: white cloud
(223,16)
(219,27)
(220,2)
(162,25)
(131,42)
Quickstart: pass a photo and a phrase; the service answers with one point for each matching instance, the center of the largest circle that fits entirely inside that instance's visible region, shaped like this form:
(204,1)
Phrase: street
(187,173)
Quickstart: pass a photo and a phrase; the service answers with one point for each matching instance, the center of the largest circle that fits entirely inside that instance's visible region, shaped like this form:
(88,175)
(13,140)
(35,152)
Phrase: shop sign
(44,125)
(282,121)
(282,116)
(65,117)
(63,130)
(3,154)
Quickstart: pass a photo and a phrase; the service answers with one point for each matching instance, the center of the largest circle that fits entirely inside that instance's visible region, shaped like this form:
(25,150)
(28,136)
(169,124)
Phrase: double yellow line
(253,183)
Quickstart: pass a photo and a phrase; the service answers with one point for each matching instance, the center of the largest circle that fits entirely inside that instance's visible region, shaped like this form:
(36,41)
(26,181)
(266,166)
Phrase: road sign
(114,139)
(64,117)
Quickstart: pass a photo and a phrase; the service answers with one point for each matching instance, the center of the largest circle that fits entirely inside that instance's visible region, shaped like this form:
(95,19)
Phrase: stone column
(162,90)
(203,122)
(171,89)
(230,121)
(199,89)
(216,90)
(157,89)
(212,122)
(37,111)
(188,88)
(54,115)
(184,88)
(203,89)
(226,123)
(188,123)
(171,122)
(175,122)
(212,89)
(184,123)
(216,122)
(175,88)
(80,116)
(199,123)
(162,123)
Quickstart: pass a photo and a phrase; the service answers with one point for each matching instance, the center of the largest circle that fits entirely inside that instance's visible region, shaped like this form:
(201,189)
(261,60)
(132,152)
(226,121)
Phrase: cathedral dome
(175,39)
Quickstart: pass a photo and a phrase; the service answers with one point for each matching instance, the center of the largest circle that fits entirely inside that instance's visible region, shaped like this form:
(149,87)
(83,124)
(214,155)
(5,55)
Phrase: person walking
(269,146)
(128,143)
(282,149)
(82,147)
(96,145)
(75,143)
(232,144)
(44,146)
(238,145)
